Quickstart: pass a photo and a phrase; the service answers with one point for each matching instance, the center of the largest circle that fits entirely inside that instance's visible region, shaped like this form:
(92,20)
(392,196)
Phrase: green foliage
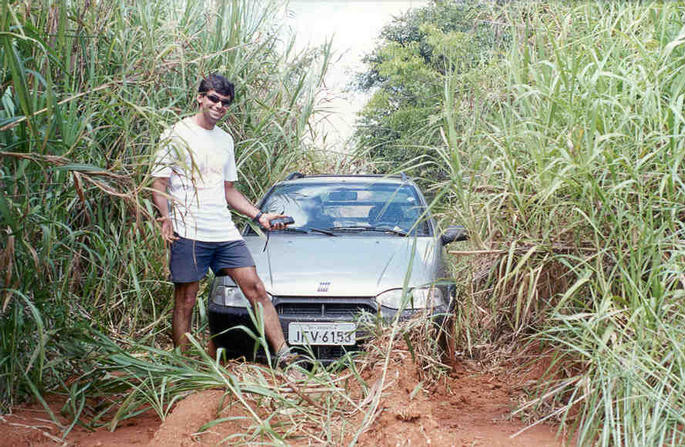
(85,89)
(575,197)
(407,73)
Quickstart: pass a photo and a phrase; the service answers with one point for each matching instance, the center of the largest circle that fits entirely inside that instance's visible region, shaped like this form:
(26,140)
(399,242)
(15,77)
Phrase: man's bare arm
(238,202)
(159,198)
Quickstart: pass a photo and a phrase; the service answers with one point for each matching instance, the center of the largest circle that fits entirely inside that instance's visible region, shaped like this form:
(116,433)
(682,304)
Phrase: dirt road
(466,408)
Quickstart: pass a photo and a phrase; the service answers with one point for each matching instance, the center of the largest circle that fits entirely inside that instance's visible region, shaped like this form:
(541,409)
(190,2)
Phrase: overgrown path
(468,407)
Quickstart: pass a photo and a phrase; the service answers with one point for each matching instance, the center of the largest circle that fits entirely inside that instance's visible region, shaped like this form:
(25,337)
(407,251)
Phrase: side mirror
(454,233)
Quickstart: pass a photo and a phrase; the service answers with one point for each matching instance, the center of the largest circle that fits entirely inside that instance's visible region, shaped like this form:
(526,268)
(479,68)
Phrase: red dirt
(31,426)
(468,408)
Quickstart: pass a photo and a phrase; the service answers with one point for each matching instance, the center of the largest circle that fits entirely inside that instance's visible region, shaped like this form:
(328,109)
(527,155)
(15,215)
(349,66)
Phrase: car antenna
(404,177)
(267,241)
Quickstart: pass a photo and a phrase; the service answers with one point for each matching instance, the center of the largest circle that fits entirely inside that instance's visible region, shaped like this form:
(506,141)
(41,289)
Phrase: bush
(86,88)
(569,177)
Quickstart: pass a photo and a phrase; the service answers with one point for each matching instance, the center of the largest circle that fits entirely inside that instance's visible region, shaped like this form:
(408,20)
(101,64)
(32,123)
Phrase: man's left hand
(266,218)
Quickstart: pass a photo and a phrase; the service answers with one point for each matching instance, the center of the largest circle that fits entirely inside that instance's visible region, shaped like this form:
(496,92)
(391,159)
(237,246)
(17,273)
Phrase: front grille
(301,309)
(323,309)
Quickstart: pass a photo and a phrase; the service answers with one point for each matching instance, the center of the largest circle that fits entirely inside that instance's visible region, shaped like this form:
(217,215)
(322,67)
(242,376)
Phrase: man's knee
(254,291)
(186,296)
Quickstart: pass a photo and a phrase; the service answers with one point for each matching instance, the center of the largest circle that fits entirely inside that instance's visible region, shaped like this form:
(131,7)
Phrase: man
(195,170)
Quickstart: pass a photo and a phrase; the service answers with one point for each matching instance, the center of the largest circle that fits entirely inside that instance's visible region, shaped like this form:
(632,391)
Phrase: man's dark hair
(219,84)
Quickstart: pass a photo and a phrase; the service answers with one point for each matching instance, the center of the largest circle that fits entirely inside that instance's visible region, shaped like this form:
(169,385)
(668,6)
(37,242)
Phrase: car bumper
(232,327)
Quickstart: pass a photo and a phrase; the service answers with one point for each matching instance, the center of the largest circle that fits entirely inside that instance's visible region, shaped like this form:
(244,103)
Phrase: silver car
(360,245)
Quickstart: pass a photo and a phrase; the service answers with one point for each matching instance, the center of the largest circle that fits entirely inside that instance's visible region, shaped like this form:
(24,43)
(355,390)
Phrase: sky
(354,26)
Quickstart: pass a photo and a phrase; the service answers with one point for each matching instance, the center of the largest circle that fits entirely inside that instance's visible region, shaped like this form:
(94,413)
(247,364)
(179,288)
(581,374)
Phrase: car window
(325,206)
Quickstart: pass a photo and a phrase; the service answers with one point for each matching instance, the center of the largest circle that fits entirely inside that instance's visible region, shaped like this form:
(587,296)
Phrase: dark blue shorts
(190,259)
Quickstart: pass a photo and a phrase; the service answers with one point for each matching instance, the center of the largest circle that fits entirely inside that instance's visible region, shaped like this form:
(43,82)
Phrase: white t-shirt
(197,161)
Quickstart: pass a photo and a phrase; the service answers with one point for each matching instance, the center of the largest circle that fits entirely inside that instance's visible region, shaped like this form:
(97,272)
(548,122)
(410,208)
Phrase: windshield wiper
(308,230)
(294,230)
(362,228)
(319,230)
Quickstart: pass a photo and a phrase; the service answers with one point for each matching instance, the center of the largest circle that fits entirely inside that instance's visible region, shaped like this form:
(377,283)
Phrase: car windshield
(350,207)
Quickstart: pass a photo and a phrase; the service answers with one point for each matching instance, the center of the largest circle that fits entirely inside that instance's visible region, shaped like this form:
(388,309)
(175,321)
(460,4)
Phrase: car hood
(349,265)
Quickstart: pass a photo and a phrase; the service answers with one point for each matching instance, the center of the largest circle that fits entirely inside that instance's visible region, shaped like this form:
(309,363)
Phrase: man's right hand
(167,230)
(266,218)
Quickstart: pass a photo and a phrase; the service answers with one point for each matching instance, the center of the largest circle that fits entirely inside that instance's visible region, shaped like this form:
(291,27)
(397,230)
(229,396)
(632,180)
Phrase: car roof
(339,178)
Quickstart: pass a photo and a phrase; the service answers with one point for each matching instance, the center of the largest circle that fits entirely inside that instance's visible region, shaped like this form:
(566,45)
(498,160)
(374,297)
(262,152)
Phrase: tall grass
(85,89)
(569,174)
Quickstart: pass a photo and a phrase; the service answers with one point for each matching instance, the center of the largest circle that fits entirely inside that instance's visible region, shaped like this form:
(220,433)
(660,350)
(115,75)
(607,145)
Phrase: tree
(400,125)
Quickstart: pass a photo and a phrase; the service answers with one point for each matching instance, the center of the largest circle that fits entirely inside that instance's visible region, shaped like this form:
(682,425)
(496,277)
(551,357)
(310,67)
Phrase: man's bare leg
(185,295)
(211,348)
(252,287)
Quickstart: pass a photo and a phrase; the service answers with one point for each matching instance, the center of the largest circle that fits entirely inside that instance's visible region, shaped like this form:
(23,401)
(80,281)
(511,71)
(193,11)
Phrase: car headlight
(230,296)
(418,298)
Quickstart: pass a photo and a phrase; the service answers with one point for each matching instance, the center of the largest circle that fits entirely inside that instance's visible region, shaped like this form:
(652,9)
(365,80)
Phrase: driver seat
(386,214)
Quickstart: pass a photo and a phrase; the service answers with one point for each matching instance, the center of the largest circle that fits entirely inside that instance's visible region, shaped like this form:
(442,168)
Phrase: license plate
(321,333)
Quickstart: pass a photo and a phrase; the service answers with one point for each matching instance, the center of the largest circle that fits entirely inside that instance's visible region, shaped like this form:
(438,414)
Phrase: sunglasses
(215,99)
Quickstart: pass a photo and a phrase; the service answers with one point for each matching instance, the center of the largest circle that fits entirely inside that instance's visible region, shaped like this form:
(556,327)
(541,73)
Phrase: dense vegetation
(553,131)
(86,88)
(564,156)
